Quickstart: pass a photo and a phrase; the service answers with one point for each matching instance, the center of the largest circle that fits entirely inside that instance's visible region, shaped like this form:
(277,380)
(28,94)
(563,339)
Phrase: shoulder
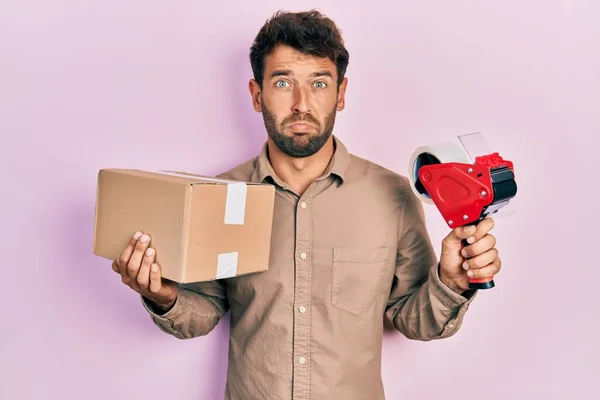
(378,175)
(387,188)
(392,191)
(242,171)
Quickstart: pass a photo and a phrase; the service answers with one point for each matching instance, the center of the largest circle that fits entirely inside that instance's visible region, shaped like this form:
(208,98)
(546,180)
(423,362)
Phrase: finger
(481,260)
(457,235)
(479,247)
(155,278)
(486,272)
(483,227)
(471,233)
(123,259)
(135,262)
(115,265)
(143,276)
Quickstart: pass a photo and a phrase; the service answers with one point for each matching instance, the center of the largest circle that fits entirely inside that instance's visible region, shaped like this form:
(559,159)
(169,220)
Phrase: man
(349,250)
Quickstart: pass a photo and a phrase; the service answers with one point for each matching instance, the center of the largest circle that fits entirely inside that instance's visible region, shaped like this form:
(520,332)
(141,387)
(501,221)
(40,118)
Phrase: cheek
(279,103)
(323,105)
(325,100)
(274,114)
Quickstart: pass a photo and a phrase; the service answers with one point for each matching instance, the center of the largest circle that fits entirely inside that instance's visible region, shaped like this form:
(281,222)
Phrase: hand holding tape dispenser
(465,184)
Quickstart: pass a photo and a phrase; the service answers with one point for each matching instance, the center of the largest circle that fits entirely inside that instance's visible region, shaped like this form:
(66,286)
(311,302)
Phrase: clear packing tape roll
(437,153)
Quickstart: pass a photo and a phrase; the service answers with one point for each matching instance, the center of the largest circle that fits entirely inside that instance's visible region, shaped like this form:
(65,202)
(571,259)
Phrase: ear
(341,100)
(254,89)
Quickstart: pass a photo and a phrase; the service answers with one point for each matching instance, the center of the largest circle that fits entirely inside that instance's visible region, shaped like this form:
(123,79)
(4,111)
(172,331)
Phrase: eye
(320,85)
(281,84)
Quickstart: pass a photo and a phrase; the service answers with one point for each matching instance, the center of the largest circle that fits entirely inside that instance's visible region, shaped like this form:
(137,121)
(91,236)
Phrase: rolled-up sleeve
(197,310)
(420,305)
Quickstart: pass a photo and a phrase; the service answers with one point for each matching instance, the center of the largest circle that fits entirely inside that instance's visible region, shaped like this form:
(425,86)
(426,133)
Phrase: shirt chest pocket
(358,277)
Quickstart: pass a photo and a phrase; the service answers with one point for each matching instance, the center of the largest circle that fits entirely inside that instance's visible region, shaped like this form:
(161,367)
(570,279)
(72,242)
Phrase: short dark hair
(309,32)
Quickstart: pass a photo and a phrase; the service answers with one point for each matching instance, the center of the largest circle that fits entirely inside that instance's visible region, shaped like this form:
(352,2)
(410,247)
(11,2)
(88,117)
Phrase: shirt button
(302,309)
(303,204)
(302,360)
(303,256)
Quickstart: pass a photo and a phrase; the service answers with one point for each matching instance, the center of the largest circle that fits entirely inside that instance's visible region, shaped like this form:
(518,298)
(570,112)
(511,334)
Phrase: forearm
(432,311)
(193,314)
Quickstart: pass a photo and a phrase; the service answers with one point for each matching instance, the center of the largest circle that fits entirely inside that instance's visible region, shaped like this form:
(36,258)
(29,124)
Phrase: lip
(301,126)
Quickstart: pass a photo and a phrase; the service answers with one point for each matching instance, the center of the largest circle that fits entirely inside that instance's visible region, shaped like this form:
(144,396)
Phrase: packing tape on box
(235,203)
(227,265)
(443,152)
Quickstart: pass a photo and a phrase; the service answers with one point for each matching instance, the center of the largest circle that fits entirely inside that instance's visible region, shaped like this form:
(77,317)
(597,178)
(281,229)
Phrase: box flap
(179,176)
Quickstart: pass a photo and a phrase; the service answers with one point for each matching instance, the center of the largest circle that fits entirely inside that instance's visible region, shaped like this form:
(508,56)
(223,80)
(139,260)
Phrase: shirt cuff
(170,315)
(447,296)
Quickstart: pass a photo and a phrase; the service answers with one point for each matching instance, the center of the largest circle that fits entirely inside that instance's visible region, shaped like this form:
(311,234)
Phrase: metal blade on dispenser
(475,145)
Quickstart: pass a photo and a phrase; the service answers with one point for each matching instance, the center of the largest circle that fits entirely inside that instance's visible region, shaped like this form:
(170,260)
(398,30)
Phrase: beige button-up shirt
(348,255)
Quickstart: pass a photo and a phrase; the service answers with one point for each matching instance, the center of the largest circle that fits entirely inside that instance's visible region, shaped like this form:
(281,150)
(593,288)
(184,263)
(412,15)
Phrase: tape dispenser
(466,183)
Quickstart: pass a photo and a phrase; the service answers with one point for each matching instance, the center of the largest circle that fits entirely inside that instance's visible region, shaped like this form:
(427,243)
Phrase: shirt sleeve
(420,305)
(197,310)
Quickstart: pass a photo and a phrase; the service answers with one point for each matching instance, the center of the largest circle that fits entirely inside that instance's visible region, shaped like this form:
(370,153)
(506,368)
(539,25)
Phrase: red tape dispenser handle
(465,193)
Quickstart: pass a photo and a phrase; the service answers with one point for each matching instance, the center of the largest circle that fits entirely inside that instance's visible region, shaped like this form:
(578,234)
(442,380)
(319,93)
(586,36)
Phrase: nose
(301,101)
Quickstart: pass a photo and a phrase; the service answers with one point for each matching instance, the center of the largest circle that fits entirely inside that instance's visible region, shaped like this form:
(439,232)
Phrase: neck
(299,173)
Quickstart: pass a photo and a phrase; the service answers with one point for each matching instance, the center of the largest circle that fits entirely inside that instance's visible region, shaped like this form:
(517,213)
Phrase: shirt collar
(338,166)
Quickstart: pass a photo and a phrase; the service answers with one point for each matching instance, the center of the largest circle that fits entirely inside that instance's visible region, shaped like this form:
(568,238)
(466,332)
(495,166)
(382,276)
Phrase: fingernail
(149,252)
(470,273)
(464,253)
(470,240)
(137,235)
(154,268)
(465,265)
(470,229)
(144,238)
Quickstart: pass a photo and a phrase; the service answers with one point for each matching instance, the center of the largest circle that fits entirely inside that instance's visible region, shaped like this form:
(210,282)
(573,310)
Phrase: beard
(299,144)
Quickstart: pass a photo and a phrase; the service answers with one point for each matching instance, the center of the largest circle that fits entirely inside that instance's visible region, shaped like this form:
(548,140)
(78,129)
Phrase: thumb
(457,235)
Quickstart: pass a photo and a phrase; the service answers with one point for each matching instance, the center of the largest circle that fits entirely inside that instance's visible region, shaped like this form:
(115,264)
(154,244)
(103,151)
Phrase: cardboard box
(202,228)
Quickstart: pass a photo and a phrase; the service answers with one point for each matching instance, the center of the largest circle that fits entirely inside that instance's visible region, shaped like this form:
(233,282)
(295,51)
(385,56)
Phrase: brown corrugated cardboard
(202,228)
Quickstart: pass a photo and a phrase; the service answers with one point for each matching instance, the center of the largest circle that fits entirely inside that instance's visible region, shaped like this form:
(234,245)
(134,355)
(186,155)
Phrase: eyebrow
(287,72)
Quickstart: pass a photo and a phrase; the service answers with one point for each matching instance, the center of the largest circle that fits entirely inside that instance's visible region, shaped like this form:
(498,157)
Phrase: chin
(304,134)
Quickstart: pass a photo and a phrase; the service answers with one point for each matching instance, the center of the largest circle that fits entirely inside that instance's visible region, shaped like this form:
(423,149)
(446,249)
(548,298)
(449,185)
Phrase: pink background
(153,84)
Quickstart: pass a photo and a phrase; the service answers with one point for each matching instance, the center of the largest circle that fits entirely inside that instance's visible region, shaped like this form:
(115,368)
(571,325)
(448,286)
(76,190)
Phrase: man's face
(299,100)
